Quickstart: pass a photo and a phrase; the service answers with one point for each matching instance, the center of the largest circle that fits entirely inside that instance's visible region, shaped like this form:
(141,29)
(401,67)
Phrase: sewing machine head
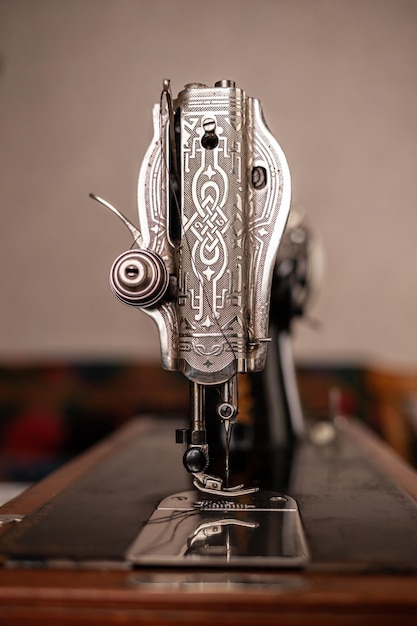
(213,199)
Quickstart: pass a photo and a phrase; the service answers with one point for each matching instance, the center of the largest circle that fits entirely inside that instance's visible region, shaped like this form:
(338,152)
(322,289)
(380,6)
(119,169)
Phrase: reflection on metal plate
(262,529)
(216,582)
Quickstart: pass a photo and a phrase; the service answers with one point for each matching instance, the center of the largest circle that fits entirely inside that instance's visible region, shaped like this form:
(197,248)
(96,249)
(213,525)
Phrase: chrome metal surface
(228,230)
(214,486)
(9,518)
(139,278)
(261,529)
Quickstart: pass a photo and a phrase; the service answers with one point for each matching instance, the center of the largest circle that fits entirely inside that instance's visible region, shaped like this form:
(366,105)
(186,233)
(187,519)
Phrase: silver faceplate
(231,224)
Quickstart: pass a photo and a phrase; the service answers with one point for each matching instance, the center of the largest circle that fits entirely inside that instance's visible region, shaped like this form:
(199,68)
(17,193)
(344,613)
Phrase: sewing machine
(214,199)
(271,491)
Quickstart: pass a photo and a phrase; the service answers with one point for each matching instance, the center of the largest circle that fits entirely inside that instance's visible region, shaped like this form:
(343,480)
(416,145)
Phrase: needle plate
(191,529)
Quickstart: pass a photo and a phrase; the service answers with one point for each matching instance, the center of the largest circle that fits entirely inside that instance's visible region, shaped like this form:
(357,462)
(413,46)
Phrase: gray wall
(337,79)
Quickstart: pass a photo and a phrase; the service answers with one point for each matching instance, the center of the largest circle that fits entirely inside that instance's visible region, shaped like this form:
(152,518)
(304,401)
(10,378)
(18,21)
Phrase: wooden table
(30,594)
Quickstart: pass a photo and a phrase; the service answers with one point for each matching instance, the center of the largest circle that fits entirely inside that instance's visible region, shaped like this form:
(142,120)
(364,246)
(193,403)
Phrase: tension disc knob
(139,278)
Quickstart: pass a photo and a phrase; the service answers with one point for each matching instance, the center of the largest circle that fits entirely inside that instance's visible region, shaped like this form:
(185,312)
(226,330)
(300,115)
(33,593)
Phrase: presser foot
(214,485)
(190,529)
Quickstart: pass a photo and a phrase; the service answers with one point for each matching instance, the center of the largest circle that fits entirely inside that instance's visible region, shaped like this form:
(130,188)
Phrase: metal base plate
(262,529)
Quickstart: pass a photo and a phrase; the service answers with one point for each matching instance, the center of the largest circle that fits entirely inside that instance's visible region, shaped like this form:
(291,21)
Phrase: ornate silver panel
(212,269)
(233,207)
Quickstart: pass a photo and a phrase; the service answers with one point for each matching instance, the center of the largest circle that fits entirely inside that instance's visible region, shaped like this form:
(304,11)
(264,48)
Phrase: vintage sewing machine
(206,264)
(214,199)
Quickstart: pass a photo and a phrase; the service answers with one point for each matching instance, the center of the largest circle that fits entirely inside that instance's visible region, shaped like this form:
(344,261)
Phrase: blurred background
(338,84)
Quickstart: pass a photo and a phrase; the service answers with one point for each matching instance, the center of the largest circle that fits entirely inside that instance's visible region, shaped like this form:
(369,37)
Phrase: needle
(228,433)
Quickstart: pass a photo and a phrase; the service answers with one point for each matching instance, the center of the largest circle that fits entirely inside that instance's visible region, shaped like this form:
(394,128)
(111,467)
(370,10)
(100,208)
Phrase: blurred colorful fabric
(51,412)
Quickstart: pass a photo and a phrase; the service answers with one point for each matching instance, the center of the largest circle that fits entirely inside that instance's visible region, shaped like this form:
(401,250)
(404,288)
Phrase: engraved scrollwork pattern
(211,300)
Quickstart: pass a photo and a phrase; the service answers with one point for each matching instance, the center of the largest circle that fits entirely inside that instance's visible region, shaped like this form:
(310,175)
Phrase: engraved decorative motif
(213,275)
(230,232)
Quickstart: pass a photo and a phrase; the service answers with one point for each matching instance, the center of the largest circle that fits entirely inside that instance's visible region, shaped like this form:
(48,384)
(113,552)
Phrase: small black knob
(195,460)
